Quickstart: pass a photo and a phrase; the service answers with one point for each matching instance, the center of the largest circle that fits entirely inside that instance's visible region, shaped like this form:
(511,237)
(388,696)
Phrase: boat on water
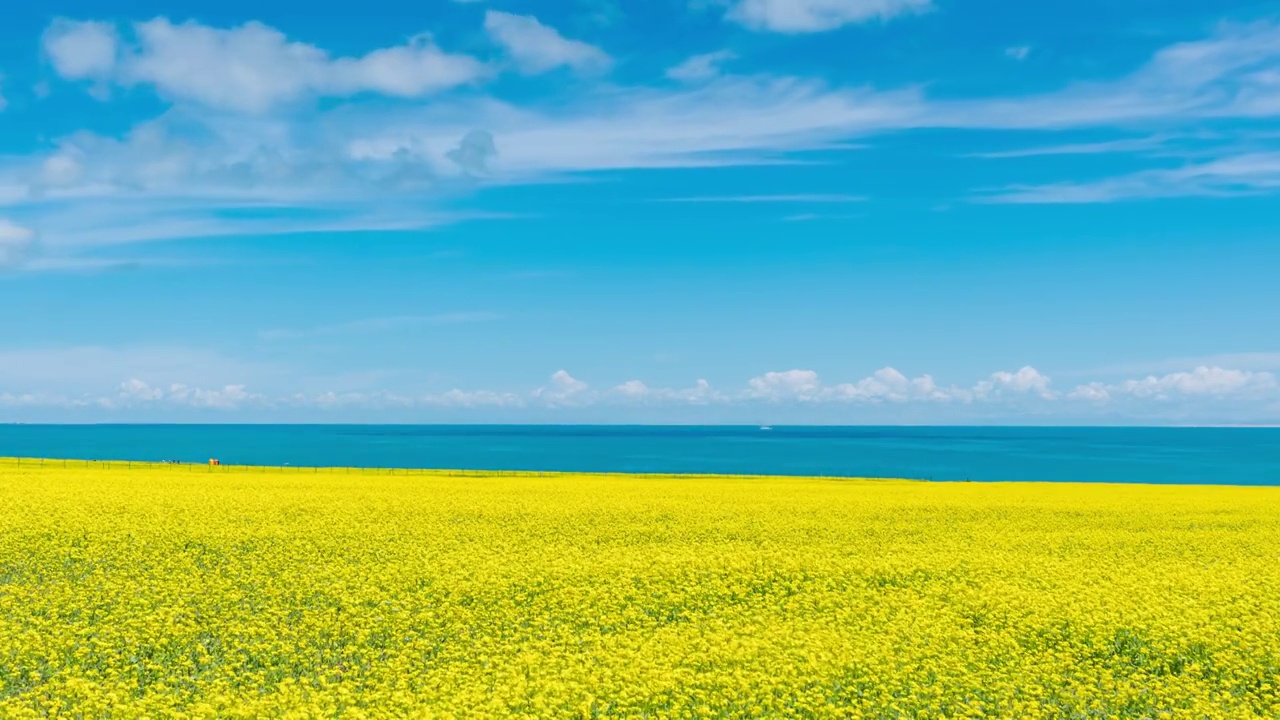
(766,427)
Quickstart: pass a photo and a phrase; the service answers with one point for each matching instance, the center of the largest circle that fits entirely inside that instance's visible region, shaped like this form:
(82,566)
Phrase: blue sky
(827,211)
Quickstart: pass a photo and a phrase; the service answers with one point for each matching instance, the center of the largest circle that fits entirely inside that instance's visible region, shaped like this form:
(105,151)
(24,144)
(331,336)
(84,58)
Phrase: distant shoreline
(189,467)
(59,463)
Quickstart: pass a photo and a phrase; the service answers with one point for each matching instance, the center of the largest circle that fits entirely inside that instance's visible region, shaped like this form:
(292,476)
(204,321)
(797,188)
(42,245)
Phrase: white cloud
(1094,392)
(635,391)
(82,50)
(1231,74)
(251,68)
(138,390)
(1235,175)
(797,198)
(134,392)
(1026,381)
(1202,387)
(475,398)
(563,389)
(336,401)
(17,244)
(537,48)
(700,68)
(759,119)
(1203,381)
(794,385)
(890,385)
(1125,145)
(32,400)
(1206,392)
(806,16)
(188,173)
(1018,52)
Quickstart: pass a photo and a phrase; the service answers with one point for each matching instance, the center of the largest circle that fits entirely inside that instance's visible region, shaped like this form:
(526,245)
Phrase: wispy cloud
(218,149)
(382,325)
(1018,52)
(17,244)
(816,199)
(1126,145)
(701,68)
(1248,174)
(815,217)
(808,16)
(537,48)
(89,367)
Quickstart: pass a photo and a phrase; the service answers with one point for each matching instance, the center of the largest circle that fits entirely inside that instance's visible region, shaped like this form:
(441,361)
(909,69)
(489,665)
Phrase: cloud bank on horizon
(208,208)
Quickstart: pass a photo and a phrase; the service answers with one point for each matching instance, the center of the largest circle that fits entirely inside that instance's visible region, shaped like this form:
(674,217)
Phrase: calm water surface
(1240,456)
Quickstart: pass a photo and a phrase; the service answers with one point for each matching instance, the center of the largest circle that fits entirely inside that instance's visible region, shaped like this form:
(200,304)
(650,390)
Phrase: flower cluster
(227,592)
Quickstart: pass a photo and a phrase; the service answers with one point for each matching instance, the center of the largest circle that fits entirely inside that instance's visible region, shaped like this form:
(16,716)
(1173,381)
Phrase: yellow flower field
(197,592)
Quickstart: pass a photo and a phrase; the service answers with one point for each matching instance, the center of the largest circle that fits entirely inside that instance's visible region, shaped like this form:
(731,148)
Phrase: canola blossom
(172,591)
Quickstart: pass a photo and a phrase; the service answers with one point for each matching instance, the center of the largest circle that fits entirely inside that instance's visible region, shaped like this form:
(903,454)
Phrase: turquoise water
(1238,456)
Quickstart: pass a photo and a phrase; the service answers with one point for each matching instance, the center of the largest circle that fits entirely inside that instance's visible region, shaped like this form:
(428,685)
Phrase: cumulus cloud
(1205,392)
(633,389)
(475,398)
(562,389)
(1094,392)
(885,385)
(890,385)
(536,48)
(700,68)
(1200,382)
(138,390)
(251,68)
(82,50)
(807,16)
(798,385)
(1027,381)
(230,397)
(636,391)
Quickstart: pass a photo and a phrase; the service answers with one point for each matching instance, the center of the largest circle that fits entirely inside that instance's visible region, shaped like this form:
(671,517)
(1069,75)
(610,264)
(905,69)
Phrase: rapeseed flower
(231,592)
